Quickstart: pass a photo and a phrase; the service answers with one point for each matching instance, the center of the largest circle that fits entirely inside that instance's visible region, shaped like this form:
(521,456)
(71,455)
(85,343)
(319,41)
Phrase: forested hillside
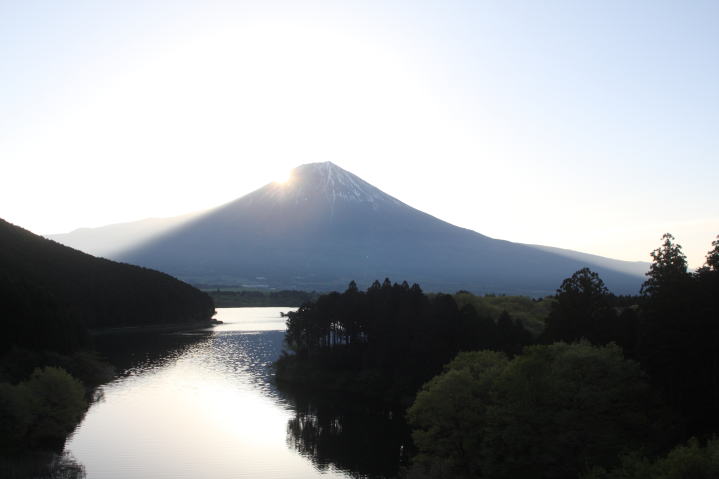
(51,294)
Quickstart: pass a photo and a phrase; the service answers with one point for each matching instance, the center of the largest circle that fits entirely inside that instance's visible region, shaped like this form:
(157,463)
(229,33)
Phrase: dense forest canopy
(50,294)
(545,413)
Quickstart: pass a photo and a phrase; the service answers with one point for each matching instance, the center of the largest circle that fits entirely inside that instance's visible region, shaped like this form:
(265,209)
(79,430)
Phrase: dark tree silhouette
(582,303)
(712,262)
(678,340)
(366,440)
(668,273)
(388,340)
(584,310)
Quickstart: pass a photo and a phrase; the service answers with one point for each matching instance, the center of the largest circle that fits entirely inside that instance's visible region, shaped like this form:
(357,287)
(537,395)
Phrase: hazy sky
(585,125)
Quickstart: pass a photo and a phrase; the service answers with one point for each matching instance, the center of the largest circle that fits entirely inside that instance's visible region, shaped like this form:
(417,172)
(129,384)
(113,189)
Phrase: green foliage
(57,402)
(531,312)
(41,410)
(690,461)
(580,403)
(450,410)
(549,412)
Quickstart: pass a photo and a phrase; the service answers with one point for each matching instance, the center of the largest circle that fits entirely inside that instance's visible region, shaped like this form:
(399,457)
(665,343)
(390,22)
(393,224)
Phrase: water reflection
(361,438)
(134,353)
(204,404)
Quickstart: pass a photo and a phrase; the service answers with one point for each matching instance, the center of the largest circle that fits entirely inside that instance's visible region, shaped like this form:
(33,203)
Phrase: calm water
(203,405)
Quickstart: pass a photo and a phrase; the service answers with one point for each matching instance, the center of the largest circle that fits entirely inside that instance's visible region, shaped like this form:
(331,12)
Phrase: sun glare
(283,177)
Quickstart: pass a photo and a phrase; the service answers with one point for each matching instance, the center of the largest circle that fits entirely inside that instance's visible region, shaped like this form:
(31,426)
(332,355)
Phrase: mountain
(109,241)
(50,294)
(326,227)
(635,268)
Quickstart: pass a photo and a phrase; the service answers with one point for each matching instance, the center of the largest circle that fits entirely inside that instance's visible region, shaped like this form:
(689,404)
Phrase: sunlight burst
(283,177)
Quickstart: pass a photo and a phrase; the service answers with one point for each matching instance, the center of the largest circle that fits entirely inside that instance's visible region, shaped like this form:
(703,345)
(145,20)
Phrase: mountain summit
(327,182)
(326,226)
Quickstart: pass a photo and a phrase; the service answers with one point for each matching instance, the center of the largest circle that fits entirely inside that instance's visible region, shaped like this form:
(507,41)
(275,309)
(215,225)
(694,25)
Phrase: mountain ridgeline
(51,294)
(326,227)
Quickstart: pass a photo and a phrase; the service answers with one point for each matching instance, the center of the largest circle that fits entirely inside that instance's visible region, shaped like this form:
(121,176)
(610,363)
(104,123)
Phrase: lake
(203,404)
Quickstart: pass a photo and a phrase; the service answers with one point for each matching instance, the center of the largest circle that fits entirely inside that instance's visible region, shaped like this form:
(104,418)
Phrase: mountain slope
(327,226)
(47,286)
(110,240)
(635,268)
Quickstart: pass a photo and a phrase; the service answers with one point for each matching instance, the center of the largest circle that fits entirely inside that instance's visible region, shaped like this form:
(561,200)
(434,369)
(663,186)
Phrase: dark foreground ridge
(51,294)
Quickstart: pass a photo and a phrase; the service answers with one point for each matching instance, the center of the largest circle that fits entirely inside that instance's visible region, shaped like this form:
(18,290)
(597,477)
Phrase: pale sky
(592,126)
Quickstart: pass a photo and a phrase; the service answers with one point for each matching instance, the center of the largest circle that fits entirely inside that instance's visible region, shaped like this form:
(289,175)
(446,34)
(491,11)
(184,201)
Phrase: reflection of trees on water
(142,351)
(129,354)
(347,434)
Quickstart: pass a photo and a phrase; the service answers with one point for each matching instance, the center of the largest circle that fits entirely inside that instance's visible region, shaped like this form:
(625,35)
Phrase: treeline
(613,385)
(672,331)
(244,299)
(605,388)
(388,340)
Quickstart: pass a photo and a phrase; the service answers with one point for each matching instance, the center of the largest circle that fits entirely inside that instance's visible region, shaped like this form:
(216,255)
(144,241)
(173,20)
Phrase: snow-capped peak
(330,181)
